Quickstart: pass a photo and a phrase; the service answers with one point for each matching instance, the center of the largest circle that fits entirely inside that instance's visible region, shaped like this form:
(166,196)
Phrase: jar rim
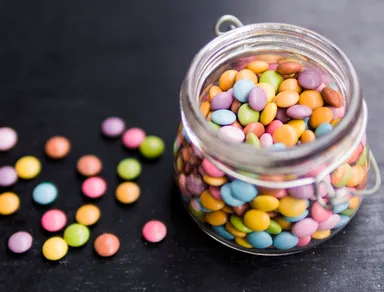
(218,148)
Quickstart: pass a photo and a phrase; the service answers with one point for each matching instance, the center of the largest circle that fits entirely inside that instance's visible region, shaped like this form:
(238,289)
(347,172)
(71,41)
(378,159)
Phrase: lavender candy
(257,99)
(310,79)
(299,111)
(8,176)
(113,127)
(223,100)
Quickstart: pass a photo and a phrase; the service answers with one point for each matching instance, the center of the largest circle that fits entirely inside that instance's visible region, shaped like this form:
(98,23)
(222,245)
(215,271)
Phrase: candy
(271,77)
(343,221)
(357,176)
(268,114)
(55,248)
(299,126)
(232,134)
(8,176)
(222,232)
(286,135)
(20,242)
(94,187)
(320,214)
(243,191)
(133,138)
(205,108)
(305,227)
(227,79)
(76,235)
(45,193)
(53,220)
(321,234)
(28,167)
(353,203)
(296,218)
(286,99)
(112,127)
(273,228)
(290,84)
(285,225)
(311,98)
(285,240)
(238,223)
(216,218)
(271,128)
(299,111)
(210,202)
(332,97)
(341,175)
(307,137)
(9,203)
(319,116)
(330,223)
(339,208)
(57,147)
(292,207)
(8,138)
(246,74)
(213,91)
(310,79)
(242,88)
(222,100)
(127,192)
(242,242)
(323,129)
(304,241)
(288,68)
(266,140)
(257,66)
(88,214)
(265,203)
(255,128)
(257,98)
(282,116)
(256,220)
(269,90)
(129,169)
(154,231)
(152,147)
(89,165)
(106,245)
(252,140)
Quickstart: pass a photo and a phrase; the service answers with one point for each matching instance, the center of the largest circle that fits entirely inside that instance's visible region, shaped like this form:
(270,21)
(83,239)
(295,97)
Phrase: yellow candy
(335,122)
(256,220)
(9,203)
(258,66)
(285,134)
(307,137)
(231,229)
(320,115)
(265,203)
(287,98)
(210,202)
(216,218)
(247,74)
(215,181)
(292,207)
(242,242)
(290,84)
(55,248)
(269,91)
(213,91)
(268,113)
(311,98)
(353,203)
(285,225)
(321,234)
(299,126)
(205,108)
(28,167)
(227,79)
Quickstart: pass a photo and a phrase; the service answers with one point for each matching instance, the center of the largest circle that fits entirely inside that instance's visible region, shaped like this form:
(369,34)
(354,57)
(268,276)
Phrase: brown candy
(289,68)
(332,97)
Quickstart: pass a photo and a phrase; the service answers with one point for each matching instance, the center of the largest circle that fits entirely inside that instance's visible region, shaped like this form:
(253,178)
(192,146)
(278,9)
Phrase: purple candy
(302,192)
(113,127)
(231,92)
(257,99)
(310,79)
(20,242)
(299,111)
(223,100)
(195,184)
(8,176)
(281,115)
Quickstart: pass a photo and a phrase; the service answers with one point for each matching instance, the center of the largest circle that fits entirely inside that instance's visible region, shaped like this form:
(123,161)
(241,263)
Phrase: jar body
(242,203)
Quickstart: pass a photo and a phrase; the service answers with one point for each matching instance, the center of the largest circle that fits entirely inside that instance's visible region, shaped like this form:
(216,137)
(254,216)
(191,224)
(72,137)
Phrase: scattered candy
(20,242)
(106,245)
(8,138)
(94,187)
(55,248)
(28,167)
(129,169)
(89,165)
(76,235)
(127,192)
(133,138)
(53,220)
(9,203)
(112,127)
(88,214)
(154,231)
(8,176)
(57,147)
(45,193)
(152,147)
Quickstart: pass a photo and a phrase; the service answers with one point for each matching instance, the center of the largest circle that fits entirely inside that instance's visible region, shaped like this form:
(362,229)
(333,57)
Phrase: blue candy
(259,239)
(242,88)
(277,146)
(340,207)
(44,193)
(222,232)
(285,240)
(297,218)
(226,195)
(223,117)
(323,129)
(243,191)
(343,220)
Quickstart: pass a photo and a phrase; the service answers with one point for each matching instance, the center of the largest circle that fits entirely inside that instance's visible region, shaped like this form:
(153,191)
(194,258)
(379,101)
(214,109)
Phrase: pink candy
(94,187)
(266,140)
(132,138)
(154,231)
(8,176)
(8,138)
(211,170)
(304,241)
(330,223)
(305,227)
(319,213)
(53,220)
(215,192)
(272,127)
(232,134)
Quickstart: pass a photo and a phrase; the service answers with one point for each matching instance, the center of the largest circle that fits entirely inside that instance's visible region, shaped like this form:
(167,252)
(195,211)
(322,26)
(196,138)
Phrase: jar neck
(239,45)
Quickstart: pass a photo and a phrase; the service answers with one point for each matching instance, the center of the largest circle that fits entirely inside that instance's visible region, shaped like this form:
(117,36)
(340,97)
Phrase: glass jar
(298,205)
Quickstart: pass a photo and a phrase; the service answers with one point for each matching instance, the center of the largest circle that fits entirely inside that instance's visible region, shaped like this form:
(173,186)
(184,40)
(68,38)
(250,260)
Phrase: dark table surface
(66,65)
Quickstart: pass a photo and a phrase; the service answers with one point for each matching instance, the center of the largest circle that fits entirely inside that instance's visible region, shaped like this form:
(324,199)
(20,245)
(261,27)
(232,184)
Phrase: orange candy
(299,126)
(285,134)
(357,176)
(290,84)
(205,108)
(227,79)
(247,74)
(213,91)
(287,98)
(255,128)
(312,99)
(258,66)
(210,202)
(127,192)
(321,115)
(216,218)
(231,229)
(307,137)
(106,245)
(89,165)
(353,203)
(57,147)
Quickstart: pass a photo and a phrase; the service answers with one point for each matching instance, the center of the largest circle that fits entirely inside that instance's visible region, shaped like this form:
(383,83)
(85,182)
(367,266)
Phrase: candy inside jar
(269,158)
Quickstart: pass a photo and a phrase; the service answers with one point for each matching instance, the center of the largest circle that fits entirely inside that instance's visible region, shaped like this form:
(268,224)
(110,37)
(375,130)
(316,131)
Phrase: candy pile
(272,103)
(94,186)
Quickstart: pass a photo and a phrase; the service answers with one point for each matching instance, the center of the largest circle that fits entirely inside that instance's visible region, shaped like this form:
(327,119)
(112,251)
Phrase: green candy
(273,78)
(215,126)
(76,235)
(129,168)
(152,147)
(247,115)
(274,227)
(238,223)
(363,157)
(253,140)
(348,212)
